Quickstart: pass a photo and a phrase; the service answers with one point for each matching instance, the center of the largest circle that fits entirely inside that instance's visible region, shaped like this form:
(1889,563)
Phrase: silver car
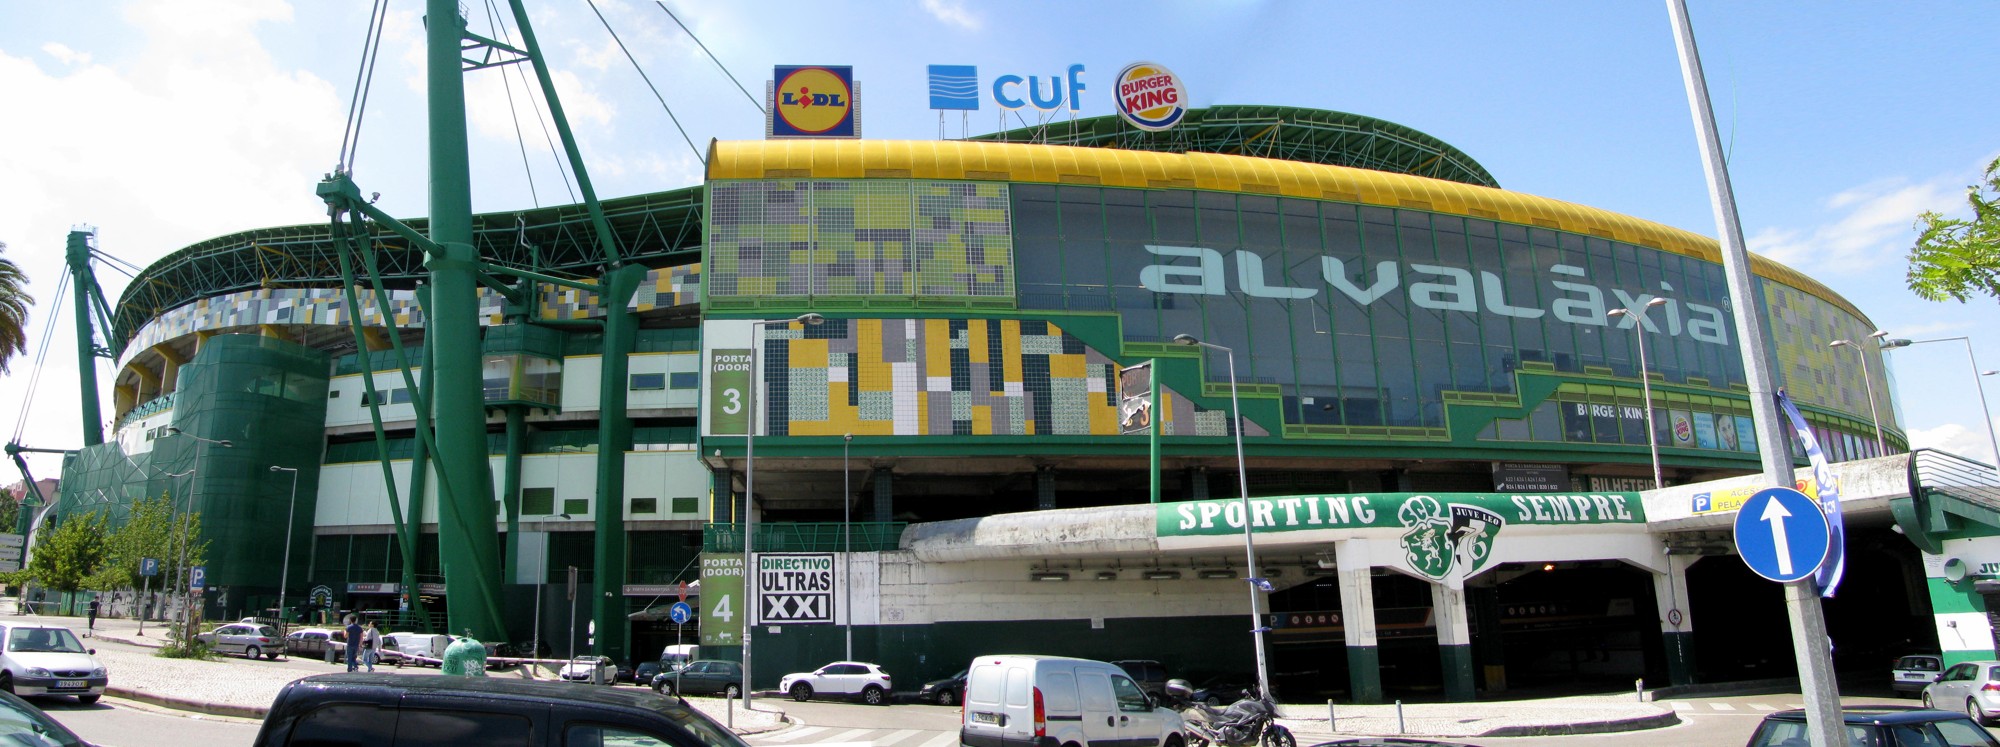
(251,641)
(1972,686)
(49,660)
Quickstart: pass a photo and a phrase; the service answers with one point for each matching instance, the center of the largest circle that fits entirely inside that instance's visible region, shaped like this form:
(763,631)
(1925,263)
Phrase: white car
(842,679)
(49,660)
(1036,700)
(588,668)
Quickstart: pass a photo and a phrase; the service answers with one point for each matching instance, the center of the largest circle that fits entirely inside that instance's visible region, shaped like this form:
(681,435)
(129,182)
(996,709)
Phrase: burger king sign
(1150,96)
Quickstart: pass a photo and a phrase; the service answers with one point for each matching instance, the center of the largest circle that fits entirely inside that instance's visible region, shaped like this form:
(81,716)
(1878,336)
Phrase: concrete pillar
(885,495)
(1670,592)
(1357,618)
(726,506)
(1454,634)
(1197,483)
(1488,647)
(1045,488)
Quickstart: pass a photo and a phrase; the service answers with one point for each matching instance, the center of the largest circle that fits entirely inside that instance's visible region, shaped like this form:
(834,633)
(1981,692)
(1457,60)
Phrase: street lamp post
(1991,441)
(750,491)
(1881,446)
(1243,486)
(847,540)
(1645,382)
(285,567)
(181,570)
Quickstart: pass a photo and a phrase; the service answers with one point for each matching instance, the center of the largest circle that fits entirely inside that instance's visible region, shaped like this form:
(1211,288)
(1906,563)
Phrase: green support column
(1357,620)
(411,533)
(1670,590)
(1454,637)
(467,548)
(77,255)
(510,490)
(614,438)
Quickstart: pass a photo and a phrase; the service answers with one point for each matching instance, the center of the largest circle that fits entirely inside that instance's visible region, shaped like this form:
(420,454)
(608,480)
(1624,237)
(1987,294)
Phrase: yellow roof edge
(1058,164)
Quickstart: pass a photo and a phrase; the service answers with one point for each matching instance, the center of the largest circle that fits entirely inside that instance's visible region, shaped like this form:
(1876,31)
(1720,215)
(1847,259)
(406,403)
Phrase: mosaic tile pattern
(795,238)
(943,377)
(1801,327)
(663,288)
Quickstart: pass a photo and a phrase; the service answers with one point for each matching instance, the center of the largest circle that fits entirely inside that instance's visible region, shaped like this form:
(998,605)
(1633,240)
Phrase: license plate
(985,718)
(1911,676)
(71,684)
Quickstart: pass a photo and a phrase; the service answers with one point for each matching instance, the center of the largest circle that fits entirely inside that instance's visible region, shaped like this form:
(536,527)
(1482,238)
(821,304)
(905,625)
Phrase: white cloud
(1965,441)
(65,55)
(953,13)
(1867,226)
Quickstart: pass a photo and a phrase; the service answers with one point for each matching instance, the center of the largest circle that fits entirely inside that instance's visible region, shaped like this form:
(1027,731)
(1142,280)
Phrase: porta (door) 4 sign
(1781,534)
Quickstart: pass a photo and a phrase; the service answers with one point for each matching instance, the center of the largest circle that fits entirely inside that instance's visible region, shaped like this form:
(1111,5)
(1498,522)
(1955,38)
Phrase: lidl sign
(809,101)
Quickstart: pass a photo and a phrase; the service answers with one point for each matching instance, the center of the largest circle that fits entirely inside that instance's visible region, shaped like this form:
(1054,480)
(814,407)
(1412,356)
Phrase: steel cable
(711,56)
(649,83)
(507,37)
(513,113)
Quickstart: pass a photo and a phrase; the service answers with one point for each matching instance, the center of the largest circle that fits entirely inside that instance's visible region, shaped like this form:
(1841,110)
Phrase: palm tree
(14,303)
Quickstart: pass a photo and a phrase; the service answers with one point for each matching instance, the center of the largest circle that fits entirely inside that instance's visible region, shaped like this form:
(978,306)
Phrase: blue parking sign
(197,576)
(149,567)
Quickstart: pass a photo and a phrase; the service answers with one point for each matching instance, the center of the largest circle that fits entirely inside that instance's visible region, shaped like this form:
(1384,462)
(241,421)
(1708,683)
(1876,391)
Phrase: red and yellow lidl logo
(813,101)
(1150,96)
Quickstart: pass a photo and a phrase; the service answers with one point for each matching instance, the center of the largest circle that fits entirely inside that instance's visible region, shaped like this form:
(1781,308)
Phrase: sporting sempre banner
(722,605)
(1828,576)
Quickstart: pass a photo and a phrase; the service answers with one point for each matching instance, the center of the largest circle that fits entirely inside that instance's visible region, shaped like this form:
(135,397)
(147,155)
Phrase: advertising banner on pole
(1835,566)
(722,599)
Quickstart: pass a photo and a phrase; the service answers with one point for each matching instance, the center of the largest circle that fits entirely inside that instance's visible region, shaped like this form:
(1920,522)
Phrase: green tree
(14,303)
(71,553)
(151,531)
(1957,257)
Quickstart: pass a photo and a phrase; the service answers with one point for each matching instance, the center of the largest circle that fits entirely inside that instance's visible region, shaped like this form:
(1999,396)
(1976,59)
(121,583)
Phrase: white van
(429,646)
(1047,701)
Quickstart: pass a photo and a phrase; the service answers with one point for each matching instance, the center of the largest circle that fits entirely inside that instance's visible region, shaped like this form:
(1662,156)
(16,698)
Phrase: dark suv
(1150,675)
(1879,727)
(405,710)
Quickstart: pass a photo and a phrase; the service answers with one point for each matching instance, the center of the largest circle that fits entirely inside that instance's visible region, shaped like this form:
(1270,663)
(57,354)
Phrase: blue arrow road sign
(197,575)
(149,567)
(1781,534)
(680,613)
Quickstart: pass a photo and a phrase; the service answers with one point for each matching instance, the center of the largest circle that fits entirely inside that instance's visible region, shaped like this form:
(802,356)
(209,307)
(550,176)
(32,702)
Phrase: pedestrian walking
(353,642)
(371,649)
(93,616)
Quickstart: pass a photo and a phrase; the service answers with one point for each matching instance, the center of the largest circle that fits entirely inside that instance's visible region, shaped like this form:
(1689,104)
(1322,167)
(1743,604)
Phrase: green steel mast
(85,284)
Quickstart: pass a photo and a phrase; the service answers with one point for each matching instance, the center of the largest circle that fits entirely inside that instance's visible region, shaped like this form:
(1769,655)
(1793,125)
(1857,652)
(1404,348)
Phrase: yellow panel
(975,333)
(937,348)
(1010,350)
(850,159)
(982,420)
(1067,367)
(807,353)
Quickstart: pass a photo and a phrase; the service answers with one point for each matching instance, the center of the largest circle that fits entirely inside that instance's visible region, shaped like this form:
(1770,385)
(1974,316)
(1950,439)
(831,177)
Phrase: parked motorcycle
(1249,722)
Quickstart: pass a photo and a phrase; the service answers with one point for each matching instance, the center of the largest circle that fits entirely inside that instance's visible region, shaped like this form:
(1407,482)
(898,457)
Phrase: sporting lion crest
(1439,541)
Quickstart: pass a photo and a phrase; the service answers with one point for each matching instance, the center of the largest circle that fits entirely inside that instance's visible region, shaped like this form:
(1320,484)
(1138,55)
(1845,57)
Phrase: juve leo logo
(1441,540)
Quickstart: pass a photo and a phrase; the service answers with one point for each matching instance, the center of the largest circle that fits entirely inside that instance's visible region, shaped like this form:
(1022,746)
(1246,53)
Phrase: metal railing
(1944,472)
(868,536)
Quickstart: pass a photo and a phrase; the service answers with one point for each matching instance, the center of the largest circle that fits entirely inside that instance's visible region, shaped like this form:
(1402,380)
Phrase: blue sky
(167,123)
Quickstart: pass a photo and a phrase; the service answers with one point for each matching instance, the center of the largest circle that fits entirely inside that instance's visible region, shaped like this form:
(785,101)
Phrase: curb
(1742,687)
(184,704)
(1656,721)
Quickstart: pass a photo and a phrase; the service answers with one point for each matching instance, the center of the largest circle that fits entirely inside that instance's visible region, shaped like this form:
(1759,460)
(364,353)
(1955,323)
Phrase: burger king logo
(812,101)
(1150,96)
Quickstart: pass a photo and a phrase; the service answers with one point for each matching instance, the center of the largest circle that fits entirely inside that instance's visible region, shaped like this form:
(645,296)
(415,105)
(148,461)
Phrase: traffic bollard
(729,704)
(1399,717)
(1331,725)
(1639,686)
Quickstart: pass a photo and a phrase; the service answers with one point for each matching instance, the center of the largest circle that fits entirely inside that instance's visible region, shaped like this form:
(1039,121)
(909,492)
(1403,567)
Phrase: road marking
(793,734)
(1795,705)
(845,736)
(1682,705)
(942,740)
(1767,708)
(1722,706)
(895,737)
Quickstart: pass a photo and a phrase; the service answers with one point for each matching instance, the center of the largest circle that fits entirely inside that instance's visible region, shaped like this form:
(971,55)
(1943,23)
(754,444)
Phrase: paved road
(830,724)
(113,722)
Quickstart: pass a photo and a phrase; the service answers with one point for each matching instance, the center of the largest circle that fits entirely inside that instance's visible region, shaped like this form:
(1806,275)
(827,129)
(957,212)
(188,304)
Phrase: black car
(705,677)
(644,673)
(402,711)
(1887,727)
(1150,675)
(1226,689)
(947,691)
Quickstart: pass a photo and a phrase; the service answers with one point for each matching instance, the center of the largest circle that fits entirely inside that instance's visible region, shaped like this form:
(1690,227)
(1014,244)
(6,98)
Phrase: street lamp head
(847,437)
(226,443)
(811,319)
(173,430)
(1879,334)
(1840,343)
(1186,340)
(1617,312)
(276,468)
(1656,302)
(1896,343)
(1988,373)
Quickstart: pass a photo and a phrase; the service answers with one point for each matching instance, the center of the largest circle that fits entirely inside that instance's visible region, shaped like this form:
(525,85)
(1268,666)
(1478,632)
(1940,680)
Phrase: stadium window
(399,396)
(576,507)
(538,501)
(686,505)
(648,382)
(684,380)
(645,506)
(333,394)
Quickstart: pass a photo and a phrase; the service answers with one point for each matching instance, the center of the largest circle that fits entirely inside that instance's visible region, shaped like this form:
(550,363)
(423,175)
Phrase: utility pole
(1810,643)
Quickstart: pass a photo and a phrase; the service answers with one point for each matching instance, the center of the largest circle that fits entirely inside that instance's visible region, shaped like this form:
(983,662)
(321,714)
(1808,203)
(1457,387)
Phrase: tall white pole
(285,566)
(847,538)
(1646,386)
(750,509)
(1881,447)
(1810,644)
(1249,521)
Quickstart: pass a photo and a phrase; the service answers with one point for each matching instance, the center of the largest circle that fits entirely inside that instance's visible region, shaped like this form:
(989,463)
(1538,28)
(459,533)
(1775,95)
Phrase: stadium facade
(1419,356)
